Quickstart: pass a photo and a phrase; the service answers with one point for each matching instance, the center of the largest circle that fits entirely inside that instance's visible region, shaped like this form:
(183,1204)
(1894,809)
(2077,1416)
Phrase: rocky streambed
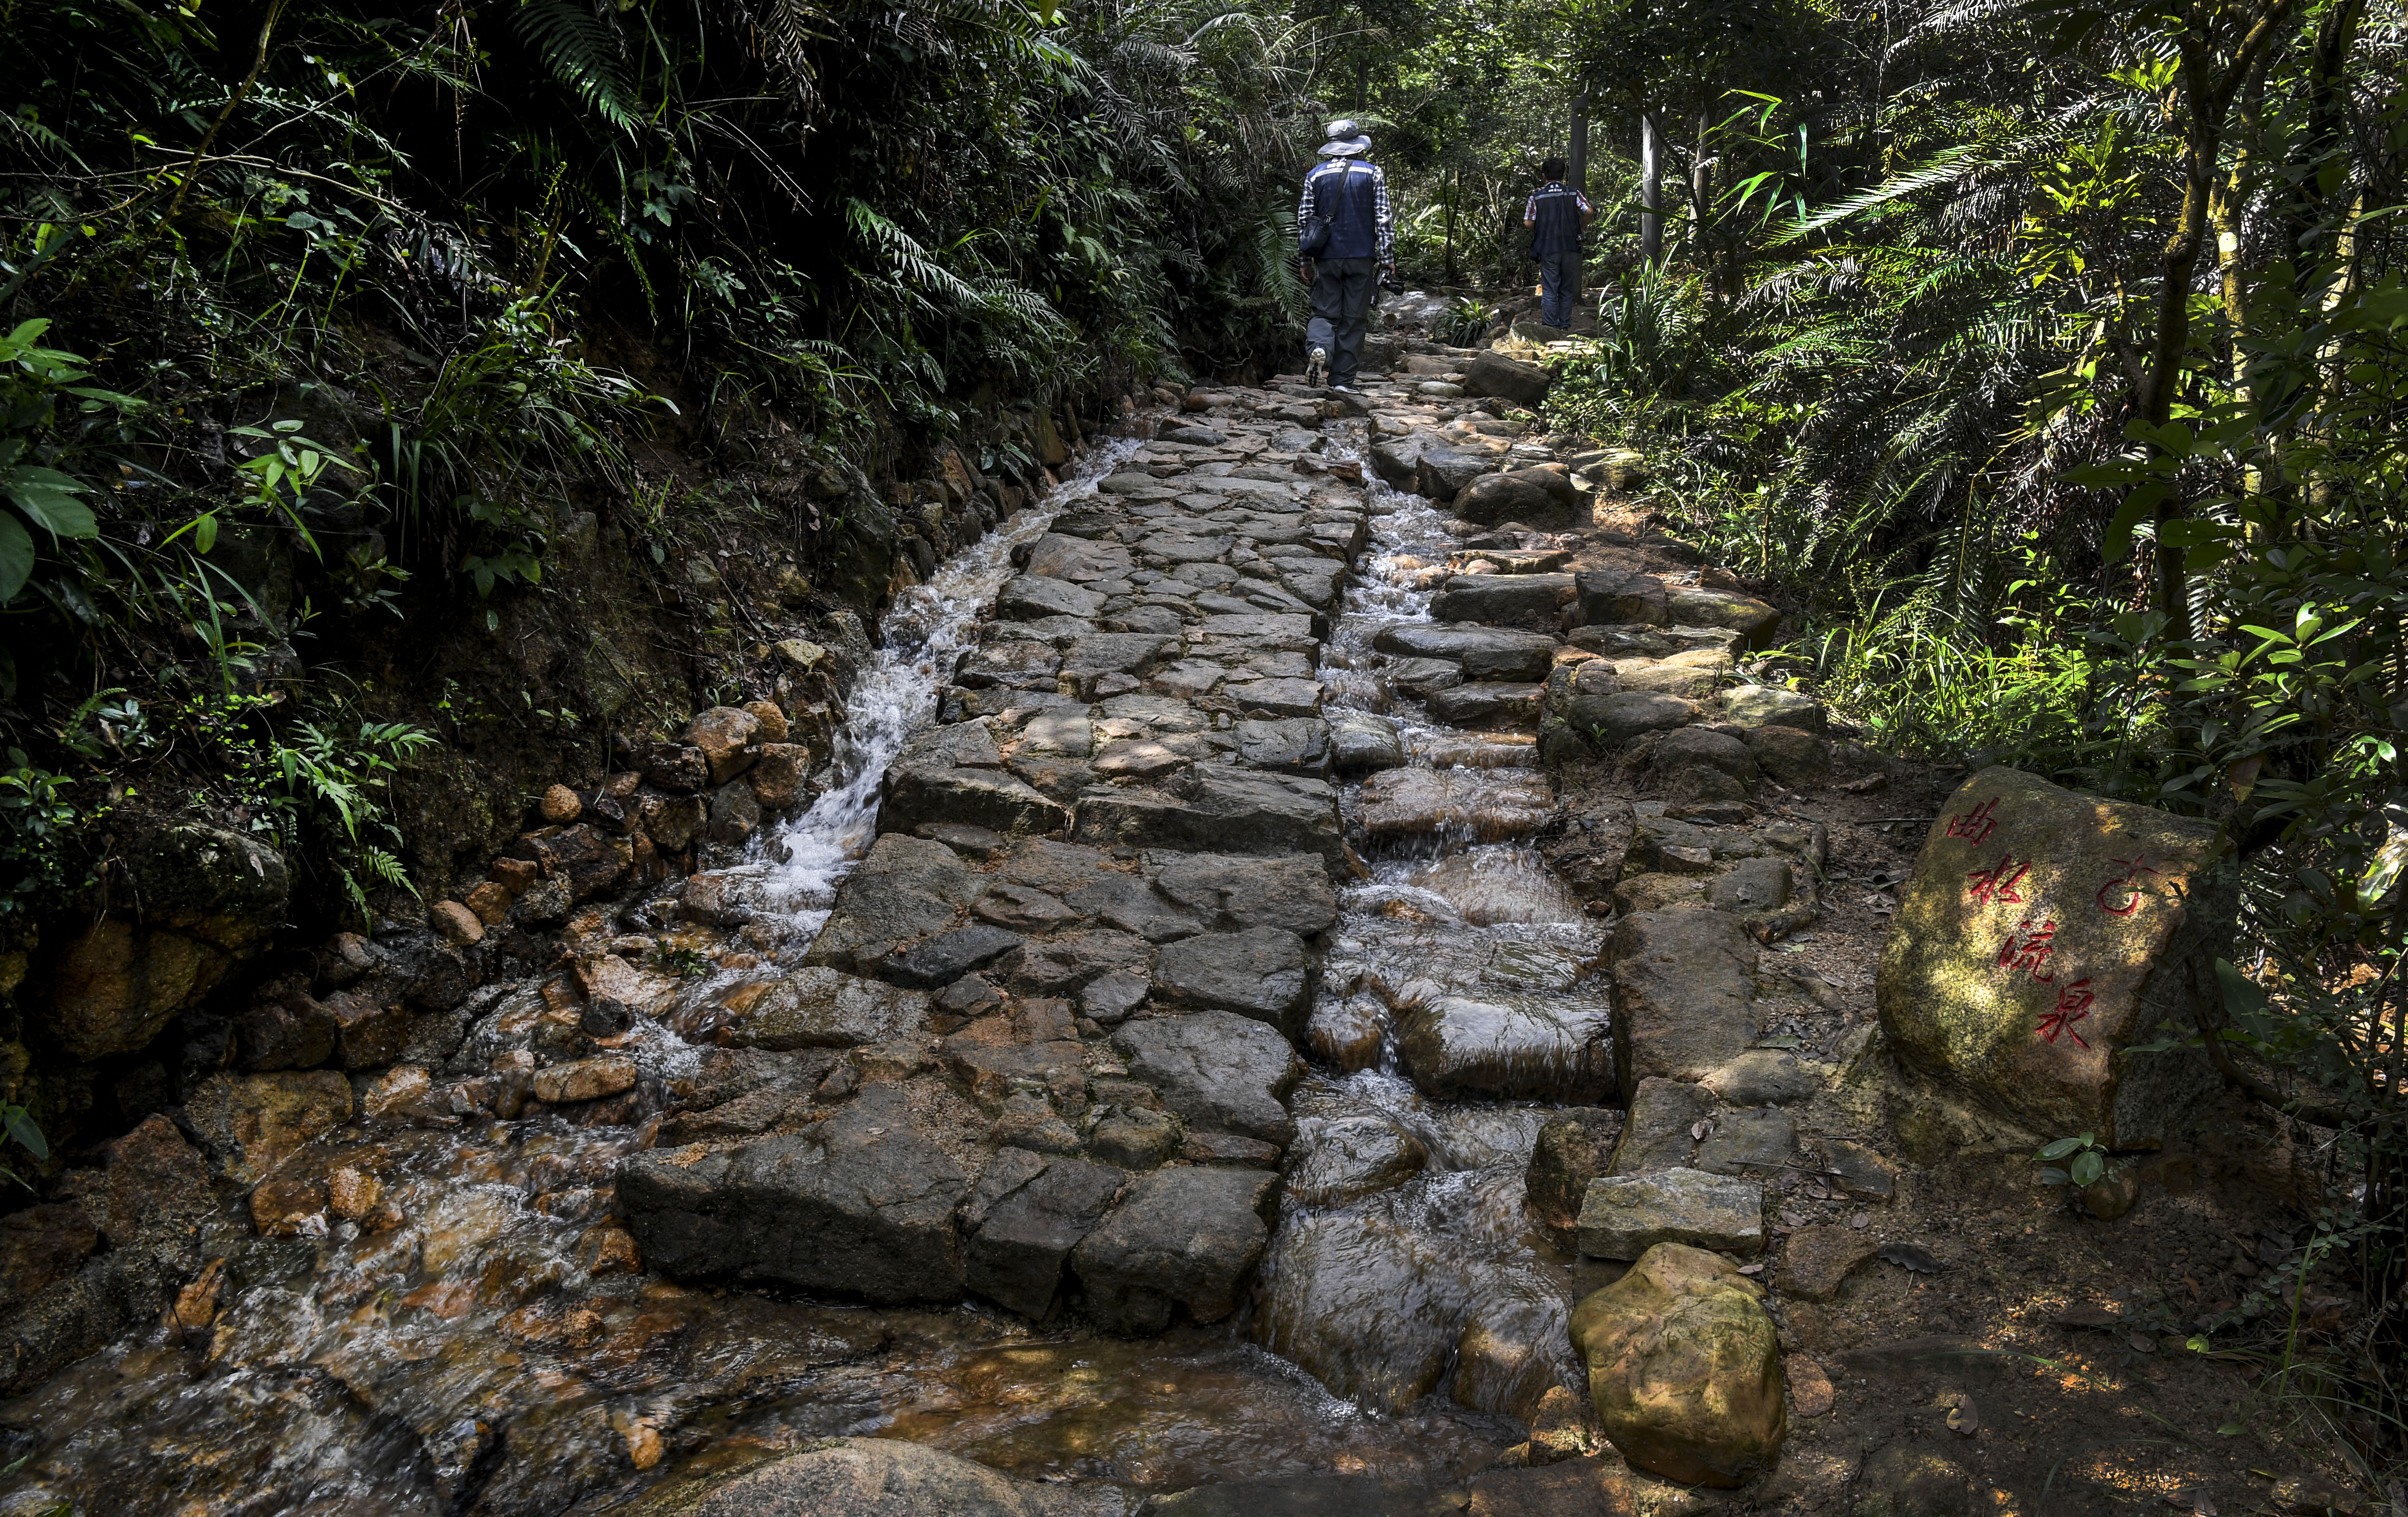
(1281,940)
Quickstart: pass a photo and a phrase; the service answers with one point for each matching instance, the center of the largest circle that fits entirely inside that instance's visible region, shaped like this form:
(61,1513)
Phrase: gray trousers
(1559,276)
(1343,290)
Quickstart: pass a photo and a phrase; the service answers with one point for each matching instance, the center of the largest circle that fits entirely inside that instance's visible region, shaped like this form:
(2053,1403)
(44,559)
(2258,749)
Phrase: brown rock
(460,926)
(196,1303)
(398,1089)
(284,1207)
(2112,1194)
(251,1124)
(354,1195)
(672,822)
(1684,1369)
(728,737)
(772,720)
(585,1080)
(1809,1388)
(609,1251)
(560,806)
(514,875)
(369,1032)
(1816,1259)
(585,858)
(40,1245)
(491,902)
(777,778)
(154,1187)
(610,977)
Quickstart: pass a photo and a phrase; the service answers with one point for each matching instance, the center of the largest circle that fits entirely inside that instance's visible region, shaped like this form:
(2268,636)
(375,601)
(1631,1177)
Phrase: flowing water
(491,1355)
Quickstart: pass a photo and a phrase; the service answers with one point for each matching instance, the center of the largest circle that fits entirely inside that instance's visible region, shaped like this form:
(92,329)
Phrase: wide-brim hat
(1345,147)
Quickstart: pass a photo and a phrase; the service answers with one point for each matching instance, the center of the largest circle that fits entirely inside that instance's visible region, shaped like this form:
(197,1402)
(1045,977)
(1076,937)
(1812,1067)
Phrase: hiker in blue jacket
(1556,216)
(1341,228)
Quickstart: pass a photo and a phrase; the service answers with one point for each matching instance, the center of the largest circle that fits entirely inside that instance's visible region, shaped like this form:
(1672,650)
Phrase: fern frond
(583,55)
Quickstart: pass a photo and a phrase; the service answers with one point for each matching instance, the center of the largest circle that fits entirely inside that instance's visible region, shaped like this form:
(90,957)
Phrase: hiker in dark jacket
(1348,191)
(1556,215)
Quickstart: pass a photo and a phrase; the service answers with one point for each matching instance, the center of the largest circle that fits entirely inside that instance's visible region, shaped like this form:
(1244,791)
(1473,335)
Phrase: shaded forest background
(2048,358)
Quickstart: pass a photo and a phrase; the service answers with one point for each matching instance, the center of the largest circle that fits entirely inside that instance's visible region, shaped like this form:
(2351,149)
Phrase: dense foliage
(318,314)
(2051,361)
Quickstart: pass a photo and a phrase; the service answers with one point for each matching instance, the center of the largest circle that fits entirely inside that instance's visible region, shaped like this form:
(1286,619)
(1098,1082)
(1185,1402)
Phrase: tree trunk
(1701,189)
(1578,163)
(1651,190)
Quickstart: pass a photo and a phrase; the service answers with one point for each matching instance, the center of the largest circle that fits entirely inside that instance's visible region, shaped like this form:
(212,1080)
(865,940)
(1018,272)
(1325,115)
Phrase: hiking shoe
(1316,367)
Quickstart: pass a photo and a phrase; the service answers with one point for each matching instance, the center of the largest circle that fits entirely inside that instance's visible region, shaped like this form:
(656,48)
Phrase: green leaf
(16,557)
(2059,1148)
(22,1127)
(2136,508)
(205,532)
(2052,1176)
(48,498)
(2089,1168)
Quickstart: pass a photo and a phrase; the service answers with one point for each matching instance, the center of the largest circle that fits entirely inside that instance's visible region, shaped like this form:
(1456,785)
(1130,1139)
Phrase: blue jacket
(1354,195)
(1558,210)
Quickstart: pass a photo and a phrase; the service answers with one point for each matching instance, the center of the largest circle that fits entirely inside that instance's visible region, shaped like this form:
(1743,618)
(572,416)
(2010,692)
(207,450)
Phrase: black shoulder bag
(1316,226)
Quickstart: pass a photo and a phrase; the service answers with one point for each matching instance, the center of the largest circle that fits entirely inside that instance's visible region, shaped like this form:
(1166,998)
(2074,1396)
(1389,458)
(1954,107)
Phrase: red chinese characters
(1999,881)
(2073,1005)
(2027,948)
(1976,826)
(2126,887)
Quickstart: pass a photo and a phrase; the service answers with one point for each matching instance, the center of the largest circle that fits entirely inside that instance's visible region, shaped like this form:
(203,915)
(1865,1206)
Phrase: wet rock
(1422,677)
(1686,984)
(1182,1239)
(1683,1368)
(677,768)
(560,806)
(1221,1071)
(1347,1033)
(1796,758)
(1468,805)
(779,775)
(1265,973)
(1229,892)
(1456,1046)
(1016,1257)
(907,888)
(287,1032)
(457,924)
(860,1205)
(823,1007)
(1488,704)
(1699,606)
(925,790)
(735,813)
(1572,1149)
(1360,742)
(585,859)
(1620,598)
(40,1245)
(1761,705)
(1443,471)
(937,962)
(1335,1160)
(1368,1308)
(289,1208)
(1135,1138)
(1587,853)
(1622,1217)
(1221,808)
(1485,653)
(1031,597)
(1505,379)
(874,1476)
(251,1124)
(1814,1260)
(585,1080)
(1065,966)
(1534,602)
(1275,697)
(2043,933)
(153,1188)
(672,821)
(210,899)
(1295,745)
(728,737)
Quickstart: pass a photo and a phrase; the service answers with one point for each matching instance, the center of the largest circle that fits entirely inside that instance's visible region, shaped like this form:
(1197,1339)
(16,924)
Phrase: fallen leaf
(1910,1256)
(1963,1419)
(1751,1268)
(1861,1220)
(2142,1343)
(1698,1130)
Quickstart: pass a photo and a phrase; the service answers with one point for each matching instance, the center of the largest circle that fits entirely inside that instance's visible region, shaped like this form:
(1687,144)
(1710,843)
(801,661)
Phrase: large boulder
(249,1124)
(2044,935)
(1493,499)
(1684,1369)
(824,1008)
(1696,606)
(1505,379)
(1621,597)
(1016,1257)
(1182,1240)
(1622,1217)
(194,902)
(1685,985)
(862,1205)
